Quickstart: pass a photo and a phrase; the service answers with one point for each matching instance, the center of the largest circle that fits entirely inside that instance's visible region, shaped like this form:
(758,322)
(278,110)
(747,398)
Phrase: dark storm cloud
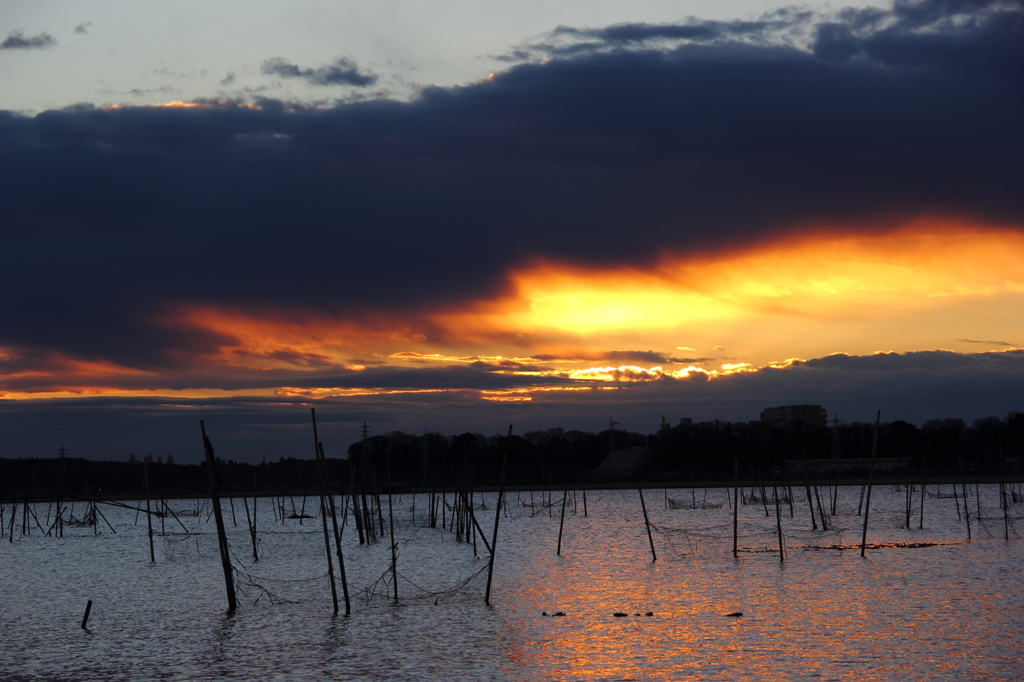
(607,156)
(16,40)
(342,71)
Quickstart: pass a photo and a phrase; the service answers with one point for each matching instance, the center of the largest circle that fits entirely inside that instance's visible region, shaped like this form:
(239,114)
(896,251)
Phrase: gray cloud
(343,71)
(83,28)
(16,40)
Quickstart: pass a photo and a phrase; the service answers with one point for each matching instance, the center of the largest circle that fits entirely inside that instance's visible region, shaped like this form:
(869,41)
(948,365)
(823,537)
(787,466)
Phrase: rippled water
(949,611)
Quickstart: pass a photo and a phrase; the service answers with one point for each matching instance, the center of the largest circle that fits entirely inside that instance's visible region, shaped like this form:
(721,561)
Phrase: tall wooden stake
(736,510)
(323,510)
(391,522)
(149,516)
(337,535)
(871,471)
(778,520)
(222,538)
(647,522)
(561,523)
(497,516)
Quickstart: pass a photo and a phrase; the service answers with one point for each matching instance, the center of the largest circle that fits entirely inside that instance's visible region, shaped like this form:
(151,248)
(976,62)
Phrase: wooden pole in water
(497,516)
(736,510)
(871,471)
(561,524)
(391,523)
(85,618)
(967,511)
(924,484)
(249,524)
(317,449)
(647,523)
(778,520)
(149,516)
(337,536)
(222,538)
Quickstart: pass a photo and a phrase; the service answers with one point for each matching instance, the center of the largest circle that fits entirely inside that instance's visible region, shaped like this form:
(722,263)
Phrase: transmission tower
(611,433)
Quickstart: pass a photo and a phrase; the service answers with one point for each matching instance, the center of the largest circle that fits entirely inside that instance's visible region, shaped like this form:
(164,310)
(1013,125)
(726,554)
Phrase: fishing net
(712,540)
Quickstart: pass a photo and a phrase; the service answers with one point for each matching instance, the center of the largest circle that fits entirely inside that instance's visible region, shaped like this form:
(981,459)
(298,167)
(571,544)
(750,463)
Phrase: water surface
(951,609)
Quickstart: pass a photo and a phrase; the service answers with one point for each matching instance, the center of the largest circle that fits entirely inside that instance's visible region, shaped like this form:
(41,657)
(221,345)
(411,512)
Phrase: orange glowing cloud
(926,285)
(810,293)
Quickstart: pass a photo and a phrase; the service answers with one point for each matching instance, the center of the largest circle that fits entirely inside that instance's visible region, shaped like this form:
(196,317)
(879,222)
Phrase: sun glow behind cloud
(808,294)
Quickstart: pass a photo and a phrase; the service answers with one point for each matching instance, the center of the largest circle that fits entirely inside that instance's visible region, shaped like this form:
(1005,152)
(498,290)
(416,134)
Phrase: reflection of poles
(222,539)
(497,516)
(871,471)
(647,522)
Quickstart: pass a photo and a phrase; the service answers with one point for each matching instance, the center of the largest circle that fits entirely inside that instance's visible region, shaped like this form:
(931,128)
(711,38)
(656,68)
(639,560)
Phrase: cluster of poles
(462,517)
(459,516)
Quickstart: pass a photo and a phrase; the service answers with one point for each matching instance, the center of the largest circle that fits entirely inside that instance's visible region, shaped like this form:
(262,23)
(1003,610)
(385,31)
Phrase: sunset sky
(458,216)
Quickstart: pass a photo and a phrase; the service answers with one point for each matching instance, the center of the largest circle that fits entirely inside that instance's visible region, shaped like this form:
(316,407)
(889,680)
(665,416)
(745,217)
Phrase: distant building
(787,414)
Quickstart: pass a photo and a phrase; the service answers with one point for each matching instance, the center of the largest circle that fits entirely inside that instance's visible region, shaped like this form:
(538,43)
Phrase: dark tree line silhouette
(703,452)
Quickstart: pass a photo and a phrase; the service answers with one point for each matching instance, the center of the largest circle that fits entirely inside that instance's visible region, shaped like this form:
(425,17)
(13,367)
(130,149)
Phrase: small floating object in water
(543,613)
(557,613)
(620,614)
(649,613)
(734,615)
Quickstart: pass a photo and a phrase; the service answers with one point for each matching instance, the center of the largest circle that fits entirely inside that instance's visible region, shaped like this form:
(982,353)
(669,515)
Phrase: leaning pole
(222,538)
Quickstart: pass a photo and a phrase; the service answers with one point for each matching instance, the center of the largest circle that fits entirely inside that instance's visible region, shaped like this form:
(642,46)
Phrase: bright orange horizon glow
(802,276)
(929,284)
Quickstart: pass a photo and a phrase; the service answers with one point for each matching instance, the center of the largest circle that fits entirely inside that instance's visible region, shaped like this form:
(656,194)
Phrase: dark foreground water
(949,611)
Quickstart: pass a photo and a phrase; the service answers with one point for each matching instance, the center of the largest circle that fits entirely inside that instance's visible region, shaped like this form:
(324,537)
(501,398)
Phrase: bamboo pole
(317,449)
(924,484)
(250,526)
(561,523)
(149,515)
(391,523)
(647,523)
(337,536)
(967,512)
(735,509)
(222,539)
(778,521)
(85,618)
(871,472)
(497,516)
